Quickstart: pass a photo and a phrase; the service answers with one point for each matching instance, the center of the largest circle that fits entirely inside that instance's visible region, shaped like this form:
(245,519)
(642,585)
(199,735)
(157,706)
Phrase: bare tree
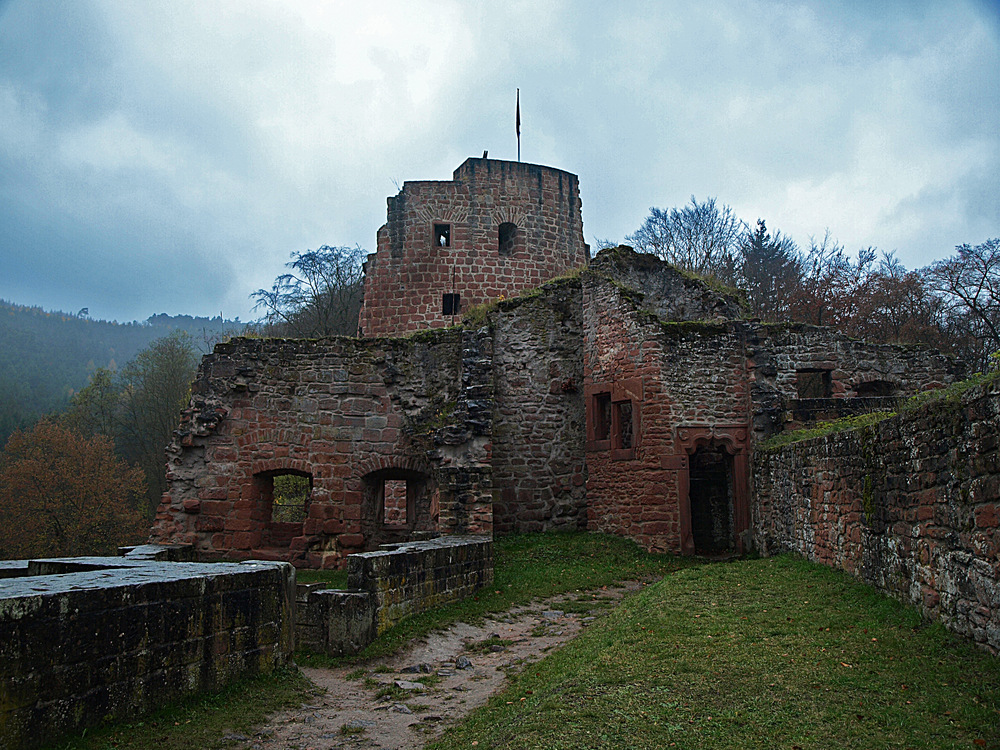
(701,237)
(320,297)
(969,283)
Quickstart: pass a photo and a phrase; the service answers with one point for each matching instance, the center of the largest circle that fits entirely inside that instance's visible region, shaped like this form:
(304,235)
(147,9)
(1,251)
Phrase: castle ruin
(616,394)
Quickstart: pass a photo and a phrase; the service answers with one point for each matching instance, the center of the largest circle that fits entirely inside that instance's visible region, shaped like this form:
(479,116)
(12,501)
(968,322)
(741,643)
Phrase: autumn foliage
(64,494)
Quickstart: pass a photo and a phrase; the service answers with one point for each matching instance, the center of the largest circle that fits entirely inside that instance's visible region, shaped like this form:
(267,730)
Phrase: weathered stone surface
(908,505)
(409,275)
(85,640)
(388,585)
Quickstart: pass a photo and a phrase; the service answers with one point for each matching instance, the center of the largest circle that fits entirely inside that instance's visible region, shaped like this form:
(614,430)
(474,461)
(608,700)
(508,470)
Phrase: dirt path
(407,700)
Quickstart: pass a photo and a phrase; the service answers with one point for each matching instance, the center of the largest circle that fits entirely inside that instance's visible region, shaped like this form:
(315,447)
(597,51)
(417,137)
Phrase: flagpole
(517,124)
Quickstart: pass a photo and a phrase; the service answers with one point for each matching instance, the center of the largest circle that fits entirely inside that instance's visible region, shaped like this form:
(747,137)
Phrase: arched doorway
(713,476)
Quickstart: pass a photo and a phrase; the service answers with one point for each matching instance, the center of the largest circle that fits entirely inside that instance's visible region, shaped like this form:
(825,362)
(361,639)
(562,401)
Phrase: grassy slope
(750,654)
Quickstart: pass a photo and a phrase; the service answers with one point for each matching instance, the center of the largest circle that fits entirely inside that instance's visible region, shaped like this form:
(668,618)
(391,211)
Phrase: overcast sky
(168,156)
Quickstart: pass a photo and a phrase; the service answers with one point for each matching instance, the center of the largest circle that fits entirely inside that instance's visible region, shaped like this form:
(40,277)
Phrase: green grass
(202,721)
(334,579)
(526,567)
(775,653)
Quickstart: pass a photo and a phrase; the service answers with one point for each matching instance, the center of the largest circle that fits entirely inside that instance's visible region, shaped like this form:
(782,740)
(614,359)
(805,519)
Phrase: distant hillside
(45,357)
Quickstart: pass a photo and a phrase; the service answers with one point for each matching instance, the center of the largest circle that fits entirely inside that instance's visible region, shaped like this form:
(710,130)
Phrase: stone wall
(348,415)
(88,640)
(682,386)
(854,376)
(411,272)
(910,505)
(539,426)
(385,586)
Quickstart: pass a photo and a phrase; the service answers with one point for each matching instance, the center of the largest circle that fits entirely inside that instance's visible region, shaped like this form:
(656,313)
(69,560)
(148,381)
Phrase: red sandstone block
(246,540)
(192,506)
(239,524)
(987,517)
(213,493)
(351,540)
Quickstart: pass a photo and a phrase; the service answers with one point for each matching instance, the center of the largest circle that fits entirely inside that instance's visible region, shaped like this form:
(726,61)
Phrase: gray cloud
(168,157)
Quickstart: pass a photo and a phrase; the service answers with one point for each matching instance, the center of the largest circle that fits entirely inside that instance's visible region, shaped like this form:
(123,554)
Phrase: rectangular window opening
(813,384)
(623,415)
(442,235)
(451,304)
(602,416)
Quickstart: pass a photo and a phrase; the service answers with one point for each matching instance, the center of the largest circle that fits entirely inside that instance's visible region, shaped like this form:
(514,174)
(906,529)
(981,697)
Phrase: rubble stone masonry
(910,505)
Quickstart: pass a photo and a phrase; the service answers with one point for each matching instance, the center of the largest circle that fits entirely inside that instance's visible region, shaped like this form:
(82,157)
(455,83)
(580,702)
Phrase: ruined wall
(114,638)
(386,586)
(682,384)
(909,505)
(539,425)
(857,376)
(667,292)
(408,276)
(349,414)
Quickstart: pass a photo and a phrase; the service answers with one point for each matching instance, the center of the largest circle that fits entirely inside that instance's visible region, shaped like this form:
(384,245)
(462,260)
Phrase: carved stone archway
(733,440)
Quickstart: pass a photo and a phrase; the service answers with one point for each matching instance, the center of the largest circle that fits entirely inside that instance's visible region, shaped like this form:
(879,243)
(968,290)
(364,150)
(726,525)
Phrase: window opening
(291,498)
(394,510)
(283,506)
(442,235)
(451,304)
(876,388)
(813,384)
(602,416)
(623,413)
(507,233)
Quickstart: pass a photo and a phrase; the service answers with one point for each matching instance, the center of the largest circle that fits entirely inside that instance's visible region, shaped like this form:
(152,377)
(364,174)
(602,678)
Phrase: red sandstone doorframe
(733,439)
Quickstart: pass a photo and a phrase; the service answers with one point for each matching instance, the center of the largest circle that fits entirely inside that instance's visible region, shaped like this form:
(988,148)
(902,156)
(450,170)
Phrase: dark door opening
(711,497)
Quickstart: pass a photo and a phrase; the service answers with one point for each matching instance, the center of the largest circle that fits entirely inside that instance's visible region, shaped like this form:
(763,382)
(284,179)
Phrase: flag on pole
(517,124)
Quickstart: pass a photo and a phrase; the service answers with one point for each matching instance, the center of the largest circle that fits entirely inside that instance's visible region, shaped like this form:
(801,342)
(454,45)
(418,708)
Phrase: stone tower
(496,230)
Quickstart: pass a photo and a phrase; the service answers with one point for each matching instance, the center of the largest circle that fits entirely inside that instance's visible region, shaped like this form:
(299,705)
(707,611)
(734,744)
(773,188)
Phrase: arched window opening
(507,234)
(394,504)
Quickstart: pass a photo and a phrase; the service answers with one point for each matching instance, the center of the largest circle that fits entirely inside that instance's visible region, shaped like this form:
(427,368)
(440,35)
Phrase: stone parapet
(88,640)
(910,505)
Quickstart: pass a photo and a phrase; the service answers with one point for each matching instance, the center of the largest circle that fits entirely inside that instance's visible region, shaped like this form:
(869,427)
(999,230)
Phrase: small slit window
(602,416)
(451,304)
(876,388)
(507,236)
(623,416)
(442,235)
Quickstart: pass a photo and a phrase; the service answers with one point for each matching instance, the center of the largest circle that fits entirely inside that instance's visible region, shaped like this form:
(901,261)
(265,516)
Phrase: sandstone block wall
(388,585)
(115,638)
(860,377)
(348,414)
(910,505)
(539,426)
(409,274)
(415,576)
(685,385)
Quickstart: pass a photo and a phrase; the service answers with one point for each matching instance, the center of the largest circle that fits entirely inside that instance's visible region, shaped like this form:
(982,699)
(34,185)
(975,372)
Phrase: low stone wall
(388,585)
(88,640)
(910,505)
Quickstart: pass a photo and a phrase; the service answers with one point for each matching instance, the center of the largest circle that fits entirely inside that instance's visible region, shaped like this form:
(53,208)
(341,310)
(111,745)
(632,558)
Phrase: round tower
(497,229)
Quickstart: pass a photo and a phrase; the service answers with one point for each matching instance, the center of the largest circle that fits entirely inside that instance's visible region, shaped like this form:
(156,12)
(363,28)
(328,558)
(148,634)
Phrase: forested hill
(45,357)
